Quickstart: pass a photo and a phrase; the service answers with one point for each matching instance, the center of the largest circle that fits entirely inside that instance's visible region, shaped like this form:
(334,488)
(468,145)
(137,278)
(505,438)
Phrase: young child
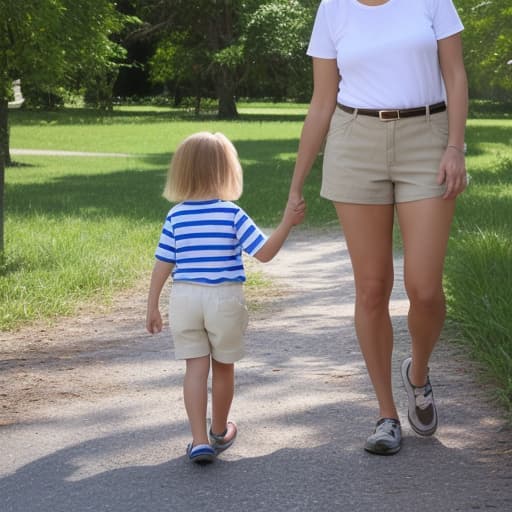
(201,244)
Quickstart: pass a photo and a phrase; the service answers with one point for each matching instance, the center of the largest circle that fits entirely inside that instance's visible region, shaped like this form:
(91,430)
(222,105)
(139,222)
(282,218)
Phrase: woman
(390,93)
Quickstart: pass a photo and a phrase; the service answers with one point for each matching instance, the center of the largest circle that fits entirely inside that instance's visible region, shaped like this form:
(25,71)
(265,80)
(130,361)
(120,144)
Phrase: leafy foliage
(52,43)
(224,48)
(488,46)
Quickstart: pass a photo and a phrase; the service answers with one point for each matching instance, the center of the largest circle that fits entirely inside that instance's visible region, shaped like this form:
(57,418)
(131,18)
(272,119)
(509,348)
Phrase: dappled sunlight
(109,425)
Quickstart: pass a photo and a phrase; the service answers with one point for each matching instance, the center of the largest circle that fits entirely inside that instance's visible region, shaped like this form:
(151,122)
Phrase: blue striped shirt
(205,239)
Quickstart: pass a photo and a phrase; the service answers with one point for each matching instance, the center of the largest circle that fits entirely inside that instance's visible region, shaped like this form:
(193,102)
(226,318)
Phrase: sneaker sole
(412,402)
(386,451)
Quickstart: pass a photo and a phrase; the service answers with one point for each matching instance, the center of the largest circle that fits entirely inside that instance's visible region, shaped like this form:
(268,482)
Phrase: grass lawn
(78,229)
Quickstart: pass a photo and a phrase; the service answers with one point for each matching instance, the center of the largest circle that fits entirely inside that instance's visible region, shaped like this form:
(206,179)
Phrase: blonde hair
(205,166)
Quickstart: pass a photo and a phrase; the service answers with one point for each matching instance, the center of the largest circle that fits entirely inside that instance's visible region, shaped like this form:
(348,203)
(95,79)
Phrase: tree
(181,67)
(488,46)
(218,44)
(205,31)
(276,38)
(53,43)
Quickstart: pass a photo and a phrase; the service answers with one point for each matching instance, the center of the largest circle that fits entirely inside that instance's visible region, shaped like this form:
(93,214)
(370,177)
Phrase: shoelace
(423,396)
(386,427)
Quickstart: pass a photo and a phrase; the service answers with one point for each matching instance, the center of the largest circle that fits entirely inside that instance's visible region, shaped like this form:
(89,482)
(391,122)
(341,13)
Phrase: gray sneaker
(422,412)
(387,438)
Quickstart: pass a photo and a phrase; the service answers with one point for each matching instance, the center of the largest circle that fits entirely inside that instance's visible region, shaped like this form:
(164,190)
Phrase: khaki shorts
(369,161)
(208,320)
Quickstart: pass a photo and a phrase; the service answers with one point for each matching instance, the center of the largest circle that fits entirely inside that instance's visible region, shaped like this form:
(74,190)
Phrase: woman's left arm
(452,170)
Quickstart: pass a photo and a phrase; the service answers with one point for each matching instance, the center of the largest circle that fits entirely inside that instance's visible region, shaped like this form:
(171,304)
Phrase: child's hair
(205,165)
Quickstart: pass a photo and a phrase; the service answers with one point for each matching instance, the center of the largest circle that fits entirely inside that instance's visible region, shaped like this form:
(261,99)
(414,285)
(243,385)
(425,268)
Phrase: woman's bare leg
(425,228)
(368,231)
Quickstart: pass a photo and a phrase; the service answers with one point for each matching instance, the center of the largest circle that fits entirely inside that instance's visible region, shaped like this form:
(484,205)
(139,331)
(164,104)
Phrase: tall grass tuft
(479,263)
(58,263)
(479,275)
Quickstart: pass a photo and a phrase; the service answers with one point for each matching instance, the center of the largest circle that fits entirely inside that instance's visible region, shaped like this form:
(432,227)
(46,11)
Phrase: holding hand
(295,212)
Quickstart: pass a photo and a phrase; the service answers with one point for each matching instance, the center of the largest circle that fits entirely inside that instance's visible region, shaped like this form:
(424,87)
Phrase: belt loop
(354,114)
(427,112)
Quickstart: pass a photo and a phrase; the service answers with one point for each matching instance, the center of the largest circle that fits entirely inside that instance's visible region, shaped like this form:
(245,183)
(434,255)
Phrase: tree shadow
(85,116)
(332,473)
(18,165)
(481,109)
(477,136)
(305,406)
(137,194)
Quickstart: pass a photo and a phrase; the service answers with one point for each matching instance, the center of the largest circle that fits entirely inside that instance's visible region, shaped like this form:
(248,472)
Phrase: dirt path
(92,415)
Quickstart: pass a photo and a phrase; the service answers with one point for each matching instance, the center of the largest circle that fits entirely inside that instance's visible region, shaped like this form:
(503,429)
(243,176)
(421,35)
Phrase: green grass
(479,264)
(78,229)
(74,232)
(266,143)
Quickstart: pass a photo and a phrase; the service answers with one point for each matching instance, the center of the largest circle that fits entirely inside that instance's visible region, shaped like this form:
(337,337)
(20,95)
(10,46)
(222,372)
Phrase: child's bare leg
(223,386)
(195,394)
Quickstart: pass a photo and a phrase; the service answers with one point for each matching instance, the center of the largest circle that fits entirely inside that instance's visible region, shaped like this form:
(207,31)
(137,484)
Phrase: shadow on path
(108,430)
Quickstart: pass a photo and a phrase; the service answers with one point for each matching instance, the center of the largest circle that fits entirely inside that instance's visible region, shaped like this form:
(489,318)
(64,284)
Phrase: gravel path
(92,414)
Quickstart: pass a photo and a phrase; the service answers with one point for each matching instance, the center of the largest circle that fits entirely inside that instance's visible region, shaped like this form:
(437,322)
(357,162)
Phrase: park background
(133,78)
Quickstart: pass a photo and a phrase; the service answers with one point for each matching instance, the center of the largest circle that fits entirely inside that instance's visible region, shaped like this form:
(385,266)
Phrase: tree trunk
(197,105)
(226,96)
(4,131)
(4,160)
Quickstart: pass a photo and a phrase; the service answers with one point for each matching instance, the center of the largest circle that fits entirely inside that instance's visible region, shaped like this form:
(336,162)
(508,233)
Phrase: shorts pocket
(233,311)
(340,122)
(439,127)
(183,313)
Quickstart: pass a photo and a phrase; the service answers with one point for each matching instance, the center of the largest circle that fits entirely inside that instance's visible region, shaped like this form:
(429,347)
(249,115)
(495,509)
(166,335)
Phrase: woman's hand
(296,202)
(295,211)
(452,172)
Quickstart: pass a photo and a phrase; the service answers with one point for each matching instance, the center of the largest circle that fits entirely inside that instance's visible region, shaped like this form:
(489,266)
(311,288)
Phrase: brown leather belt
(392,115)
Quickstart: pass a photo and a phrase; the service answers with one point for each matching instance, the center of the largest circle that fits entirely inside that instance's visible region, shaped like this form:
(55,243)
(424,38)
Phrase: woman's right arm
(323,102)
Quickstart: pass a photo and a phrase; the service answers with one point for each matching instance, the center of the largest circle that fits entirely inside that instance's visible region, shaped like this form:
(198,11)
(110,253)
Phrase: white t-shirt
(386,54)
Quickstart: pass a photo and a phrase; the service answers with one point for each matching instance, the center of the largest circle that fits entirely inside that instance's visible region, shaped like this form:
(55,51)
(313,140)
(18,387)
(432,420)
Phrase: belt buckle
(389,115)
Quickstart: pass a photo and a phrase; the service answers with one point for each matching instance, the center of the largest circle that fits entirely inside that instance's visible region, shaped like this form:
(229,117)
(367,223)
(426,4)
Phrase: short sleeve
(166,249)
(445,19)
(321,44)
(249,235)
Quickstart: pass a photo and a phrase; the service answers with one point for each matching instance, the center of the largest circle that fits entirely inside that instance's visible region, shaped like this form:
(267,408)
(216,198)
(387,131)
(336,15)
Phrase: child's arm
(291,217)
(161,272)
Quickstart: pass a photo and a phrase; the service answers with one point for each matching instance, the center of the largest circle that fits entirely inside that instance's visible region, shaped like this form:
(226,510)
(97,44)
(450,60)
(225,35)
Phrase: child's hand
(294,214)
(153,321)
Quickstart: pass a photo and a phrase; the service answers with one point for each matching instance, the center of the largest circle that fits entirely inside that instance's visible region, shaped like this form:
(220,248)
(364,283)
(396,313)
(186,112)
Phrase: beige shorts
(208,320)
(369,161)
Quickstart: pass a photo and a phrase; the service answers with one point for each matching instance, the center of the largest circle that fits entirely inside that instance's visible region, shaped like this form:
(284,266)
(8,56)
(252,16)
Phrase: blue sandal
(201,454)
